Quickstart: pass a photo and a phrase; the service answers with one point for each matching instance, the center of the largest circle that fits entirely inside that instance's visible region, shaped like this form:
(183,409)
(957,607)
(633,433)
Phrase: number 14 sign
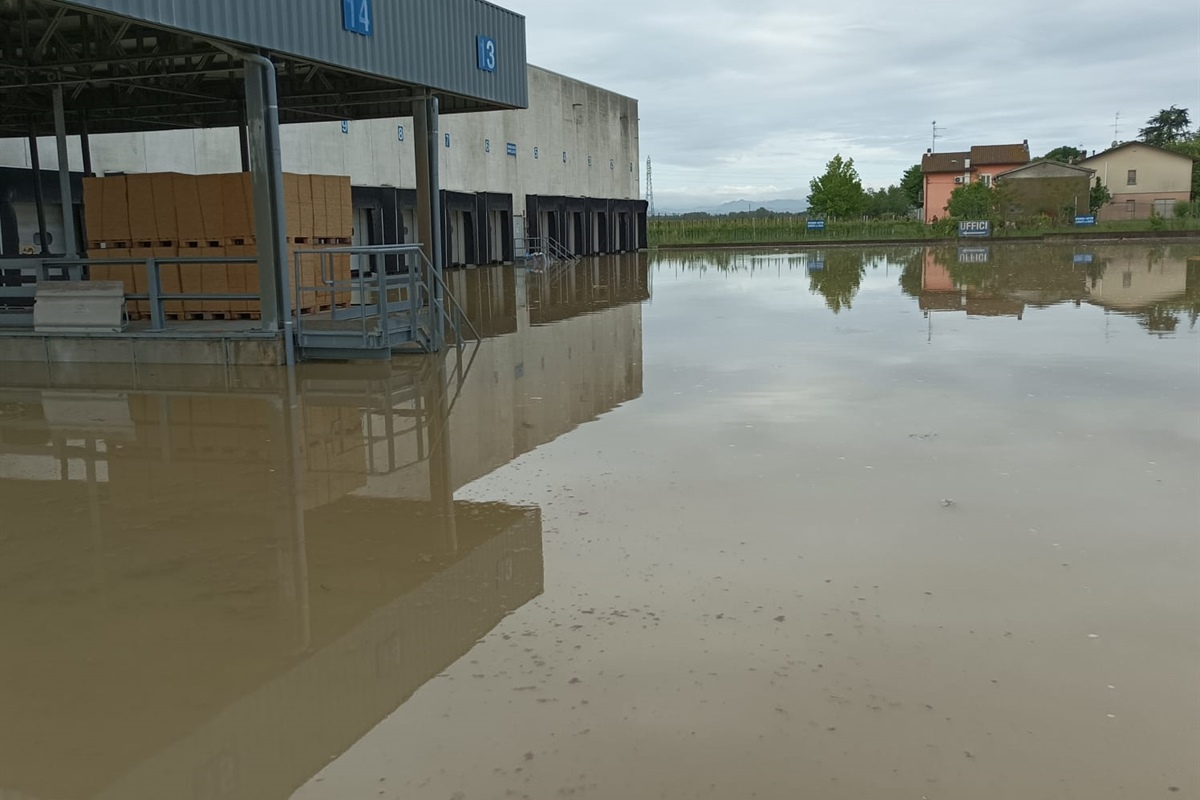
(358,16)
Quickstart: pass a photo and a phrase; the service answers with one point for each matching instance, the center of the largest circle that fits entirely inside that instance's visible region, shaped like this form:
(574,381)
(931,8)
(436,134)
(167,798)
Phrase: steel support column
(70,243)
(429,204)
(39,194)
(262,126)
(85,145)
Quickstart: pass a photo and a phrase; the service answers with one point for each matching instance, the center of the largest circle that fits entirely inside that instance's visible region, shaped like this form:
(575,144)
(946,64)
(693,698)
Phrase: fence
(22,275)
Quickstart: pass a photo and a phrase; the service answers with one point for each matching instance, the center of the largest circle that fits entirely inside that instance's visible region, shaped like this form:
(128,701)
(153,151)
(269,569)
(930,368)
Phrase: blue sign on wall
(358,16)
(345,126)
(512,149)
(816,224)
(400,133)
(974,227)
(485,48)
(1089,219)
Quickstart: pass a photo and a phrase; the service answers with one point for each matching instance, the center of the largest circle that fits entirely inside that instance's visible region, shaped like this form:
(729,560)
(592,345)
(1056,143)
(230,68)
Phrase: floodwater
(854,524)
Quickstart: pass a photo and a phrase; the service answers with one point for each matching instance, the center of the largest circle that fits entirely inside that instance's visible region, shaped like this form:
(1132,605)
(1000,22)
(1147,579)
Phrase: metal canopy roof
(132,65)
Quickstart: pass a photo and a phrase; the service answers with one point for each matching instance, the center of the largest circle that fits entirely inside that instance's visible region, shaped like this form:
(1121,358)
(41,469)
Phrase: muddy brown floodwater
(854,524)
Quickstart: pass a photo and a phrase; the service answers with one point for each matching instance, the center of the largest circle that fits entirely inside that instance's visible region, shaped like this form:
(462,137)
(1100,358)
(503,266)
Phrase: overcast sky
(750,99)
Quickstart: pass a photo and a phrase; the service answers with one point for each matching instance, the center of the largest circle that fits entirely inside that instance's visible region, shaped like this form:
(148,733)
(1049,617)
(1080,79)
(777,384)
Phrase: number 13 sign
(486,48)
(357,16)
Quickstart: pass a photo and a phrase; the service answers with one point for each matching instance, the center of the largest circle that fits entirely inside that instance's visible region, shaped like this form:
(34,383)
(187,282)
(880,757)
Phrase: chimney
(928,151)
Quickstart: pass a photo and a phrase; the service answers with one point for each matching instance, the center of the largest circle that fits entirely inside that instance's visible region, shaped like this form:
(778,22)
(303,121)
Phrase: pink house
(944,172)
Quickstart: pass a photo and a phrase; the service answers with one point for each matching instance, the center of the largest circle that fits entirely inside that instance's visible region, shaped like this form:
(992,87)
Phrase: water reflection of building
(212,582)
(1134,279)
(1154,283)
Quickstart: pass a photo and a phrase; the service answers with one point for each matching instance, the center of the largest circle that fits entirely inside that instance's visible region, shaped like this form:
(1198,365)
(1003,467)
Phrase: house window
(1131,208)
(1131,178)
(986,180)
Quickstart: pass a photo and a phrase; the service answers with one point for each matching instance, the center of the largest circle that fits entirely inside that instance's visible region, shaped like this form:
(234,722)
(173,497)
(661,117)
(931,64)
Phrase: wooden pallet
(212,316)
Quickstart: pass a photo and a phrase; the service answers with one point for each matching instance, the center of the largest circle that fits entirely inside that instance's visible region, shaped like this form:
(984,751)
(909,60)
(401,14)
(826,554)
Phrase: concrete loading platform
(234,343)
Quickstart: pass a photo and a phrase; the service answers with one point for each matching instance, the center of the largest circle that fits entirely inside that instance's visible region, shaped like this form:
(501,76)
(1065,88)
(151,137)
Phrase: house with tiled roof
(944,172)
(1142,179)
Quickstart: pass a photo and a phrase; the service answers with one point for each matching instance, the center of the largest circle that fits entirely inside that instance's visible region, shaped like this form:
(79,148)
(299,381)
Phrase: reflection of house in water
(212,582)
(1134,279)
(1156,284)
(940,292)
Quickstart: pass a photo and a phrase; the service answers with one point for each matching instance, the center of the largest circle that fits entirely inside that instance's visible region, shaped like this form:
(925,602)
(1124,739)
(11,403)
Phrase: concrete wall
(564,116)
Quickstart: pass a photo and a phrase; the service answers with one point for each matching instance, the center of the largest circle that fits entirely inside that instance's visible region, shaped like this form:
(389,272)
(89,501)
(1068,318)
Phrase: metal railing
(544,250)
(374,310)
(72,269)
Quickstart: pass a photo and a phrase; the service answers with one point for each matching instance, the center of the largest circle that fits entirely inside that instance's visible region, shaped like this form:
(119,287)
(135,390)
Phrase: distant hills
(782,206)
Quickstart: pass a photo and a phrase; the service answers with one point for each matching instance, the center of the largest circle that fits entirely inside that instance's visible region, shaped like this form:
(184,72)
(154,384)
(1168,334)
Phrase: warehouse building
(566,167)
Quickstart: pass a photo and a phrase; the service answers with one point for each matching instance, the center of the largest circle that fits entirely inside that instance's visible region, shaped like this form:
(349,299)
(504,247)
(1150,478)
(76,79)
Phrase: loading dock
(78,67)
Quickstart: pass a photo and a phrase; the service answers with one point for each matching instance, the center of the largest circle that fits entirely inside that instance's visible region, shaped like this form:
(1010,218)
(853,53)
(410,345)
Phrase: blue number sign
(485,48)
(358,17)
(400,133)
(512,148)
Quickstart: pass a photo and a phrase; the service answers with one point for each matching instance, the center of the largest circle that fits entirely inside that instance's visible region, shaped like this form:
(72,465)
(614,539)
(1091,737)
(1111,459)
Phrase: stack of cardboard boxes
(130,218)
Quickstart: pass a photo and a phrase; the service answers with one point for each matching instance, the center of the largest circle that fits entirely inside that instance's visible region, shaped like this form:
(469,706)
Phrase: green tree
(889,202)
(1099,196)
(839,192)
(913,184)
(971,201)
(1066,154)
(1169,125)
(1190,146)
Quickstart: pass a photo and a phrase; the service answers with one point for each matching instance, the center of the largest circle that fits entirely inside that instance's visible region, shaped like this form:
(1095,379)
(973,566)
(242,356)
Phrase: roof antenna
(1116,129)
(936,136)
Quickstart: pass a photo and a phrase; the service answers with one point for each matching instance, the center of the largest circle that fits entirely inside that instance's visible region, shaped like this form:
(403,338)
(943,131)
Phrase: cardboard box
(93,209)
(190,281)
(304,184)
(236,222)
(346,226)
(320,213)
(143,222)
(166,227)
(238,279)
(189,218)
(291,203)
(213,279)
(115,209)
(212,211)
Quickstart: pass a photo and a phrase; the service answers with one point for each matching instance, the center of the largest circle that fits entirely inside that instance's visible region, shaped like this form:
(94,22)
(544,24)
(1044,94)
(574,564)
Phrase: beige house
(1142,178)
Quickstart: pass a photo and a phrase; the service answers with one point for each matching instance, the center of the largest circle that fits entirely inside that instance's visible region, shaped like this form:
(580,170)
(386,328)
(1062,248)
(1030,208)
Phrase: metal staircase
(396,302)
(544,252)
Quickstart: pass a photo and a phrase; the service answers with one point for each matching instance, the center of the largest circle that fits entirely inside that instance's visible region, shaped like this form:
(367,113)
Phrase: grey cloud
(762,93)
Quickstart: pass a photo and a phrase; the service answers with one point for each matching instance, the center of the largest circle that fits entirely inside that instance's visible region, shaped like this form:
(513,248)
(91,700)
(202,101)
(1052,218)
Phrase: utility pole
(649,187)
